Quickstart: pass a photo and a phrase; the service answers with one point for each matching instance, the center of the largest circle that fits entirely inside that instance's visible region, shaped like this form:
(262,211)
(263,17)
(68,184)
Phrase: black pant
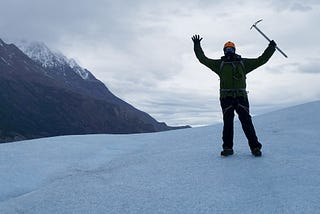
(241,106)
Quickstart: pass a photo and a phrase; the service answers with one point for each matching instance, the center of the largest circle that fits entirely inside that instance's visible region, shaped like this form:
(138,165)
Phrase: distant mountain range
(43,93)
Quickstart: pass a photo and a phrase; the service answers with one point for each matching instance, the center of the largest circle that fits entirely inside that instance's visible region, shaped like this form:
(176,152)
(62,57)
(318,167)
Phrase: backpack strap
(238,58)
(221,66)
(243,67)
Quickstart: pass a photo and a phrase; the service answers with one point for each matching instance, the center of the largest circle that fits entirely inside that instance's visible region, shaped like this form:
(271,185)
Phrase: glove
(272,43)
(196,39)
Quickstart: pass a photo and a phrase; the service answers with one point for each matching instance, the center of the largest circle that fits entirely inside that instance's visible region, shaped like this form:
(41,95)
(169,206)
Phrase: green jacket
(233,73)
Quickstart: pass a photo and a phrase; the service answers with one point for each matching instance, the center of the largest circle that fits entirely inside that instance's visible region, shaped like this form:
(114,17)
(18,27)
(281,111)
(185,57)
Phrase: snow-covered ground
(170,172)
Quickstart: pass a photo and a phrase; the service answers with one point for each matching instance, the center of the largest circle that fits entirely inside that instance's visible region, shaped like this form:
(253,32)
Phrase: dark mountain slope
(42,101)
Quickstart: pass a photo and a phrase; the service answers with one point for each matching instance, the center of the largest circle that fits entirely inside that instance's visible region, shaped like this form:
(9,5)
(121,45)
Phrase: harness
(241,92)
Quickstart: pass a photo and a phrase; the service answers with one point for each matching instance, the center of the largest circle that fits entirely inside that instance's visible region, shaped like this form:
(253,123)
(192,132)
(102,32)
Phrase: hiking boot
(226,152)
(256,152)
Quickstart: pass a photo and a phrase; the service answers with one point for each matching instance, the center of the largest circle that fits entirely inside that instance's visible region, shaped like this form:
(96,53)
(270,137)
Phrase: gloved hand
(272,43)
(196,39)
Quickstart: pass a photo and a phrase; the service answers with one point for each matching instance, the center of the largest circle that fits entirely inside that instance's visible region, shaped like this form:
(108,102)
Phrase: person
(232,70)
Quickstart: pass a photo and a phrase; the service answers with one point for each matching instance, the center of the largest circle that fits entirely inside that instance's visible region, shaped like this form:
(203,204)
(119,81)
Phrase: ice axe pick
(264,35)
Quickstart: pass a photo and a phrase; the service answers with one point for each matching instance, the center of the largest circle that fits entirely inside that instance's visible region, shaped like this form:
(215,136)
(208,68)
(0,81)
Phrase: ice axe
(255,26)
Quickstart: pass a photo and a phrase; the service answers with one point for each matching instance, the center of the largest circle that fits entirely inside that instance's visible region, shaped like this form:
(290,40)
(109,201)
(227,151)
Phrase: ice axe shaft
(267,38)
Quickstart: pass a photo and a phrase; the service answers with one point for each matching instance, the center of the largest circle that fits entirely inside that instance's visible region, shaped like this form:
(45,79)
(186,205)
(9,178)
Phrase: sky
(143,52)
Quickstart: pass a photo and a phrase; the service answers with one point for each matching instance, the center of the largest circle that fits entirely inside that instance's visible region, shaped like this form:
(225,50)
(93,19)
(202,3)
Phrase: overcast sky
(142,50)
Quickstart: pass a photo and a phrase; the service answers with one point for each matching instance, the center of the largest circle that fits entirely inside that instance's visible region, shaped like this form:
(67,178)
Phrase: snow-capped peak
(40,53)
(78,69)
(1,43)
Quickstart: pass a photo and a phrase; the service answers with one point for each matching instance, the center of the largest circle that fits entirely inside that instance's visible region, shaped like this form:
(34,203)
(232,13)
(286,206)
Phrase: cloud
(291,5)
(300,7)
(142,50)
(309,66)
(306,65)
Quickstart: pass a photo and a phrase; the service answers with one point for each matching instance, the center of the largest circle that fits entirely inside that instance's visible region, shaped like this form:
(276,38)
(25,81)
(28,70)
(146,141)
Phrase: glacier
(177,171)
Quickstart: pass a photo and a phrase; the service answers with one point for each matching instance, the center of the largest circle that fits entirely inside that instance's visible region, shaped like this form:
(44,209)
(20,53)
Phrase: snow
(79,70)
(5,61)
(169,172)
(2,44)
(40,53)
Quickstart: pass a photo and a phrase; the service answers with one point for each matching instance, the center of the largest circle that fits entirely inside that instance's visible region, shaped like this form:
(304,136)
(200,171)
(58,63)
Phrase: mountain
(176,172)
(67,71)
(45,94)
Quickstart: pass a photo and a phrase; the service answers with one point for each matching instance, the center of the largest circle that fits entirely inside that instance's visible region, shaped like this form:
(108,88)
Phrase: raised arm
(213,64)
(251,64)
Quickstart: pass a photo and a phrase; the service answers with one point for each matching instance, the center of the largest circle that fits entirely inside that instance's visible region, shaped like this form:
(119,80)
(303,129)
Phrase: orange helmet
(229,44)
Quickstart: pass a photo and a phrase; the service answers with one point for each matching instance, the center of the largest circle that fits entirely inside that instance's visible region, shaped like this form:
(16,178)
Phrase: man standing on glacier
(232,70)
